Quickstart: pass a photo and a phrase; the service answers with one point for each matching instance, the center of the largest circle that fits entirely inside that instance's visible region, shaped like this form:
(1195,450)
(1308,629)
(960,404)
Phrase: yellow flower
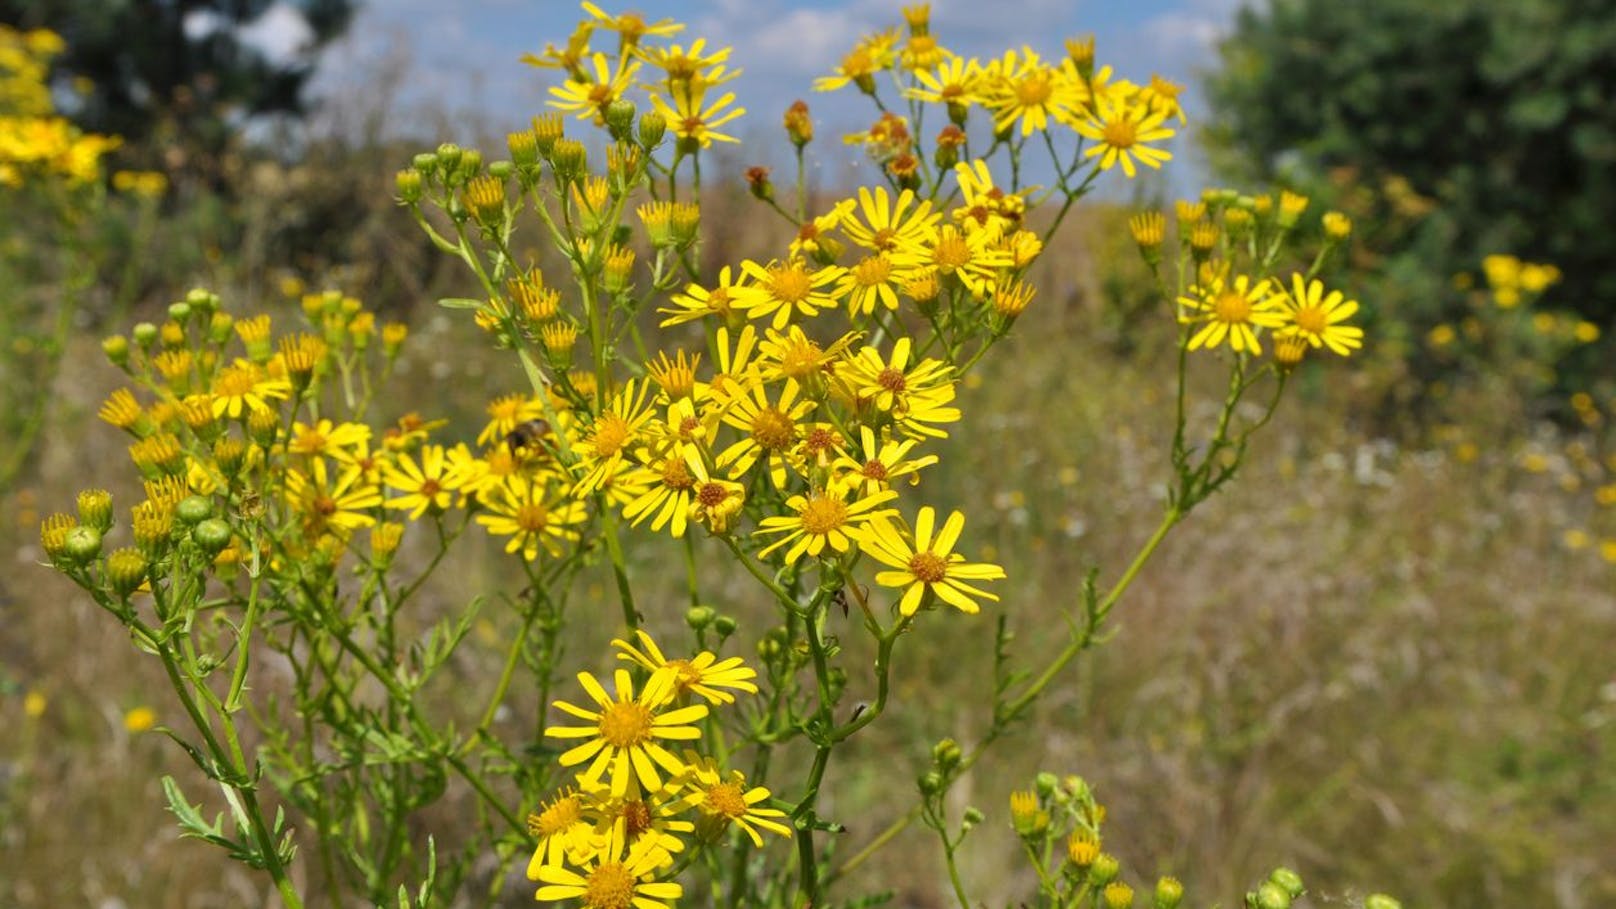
(955,81)
(244,386)
(670,480)
(1120,130)
(789,287)
(823,519)
(914,395)
(558,826)
(1023,88)
(986,207)
(631,27)
(702,674)
(327,506)
(611,437)
(771,430)
(880,461)
(429,485)
(140,719)
(1230,310)
(691,122)
(1316,317)
(505,414)
(621,735)
(339,441)
(589,96)
(733,295)
(617,876)
(888,226)
(929,565)
(523,510)
(725,798)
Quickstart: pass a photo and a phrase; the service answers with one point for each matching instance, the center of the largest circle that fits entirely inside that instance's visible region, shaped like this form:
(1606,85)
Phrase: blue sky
(462,55)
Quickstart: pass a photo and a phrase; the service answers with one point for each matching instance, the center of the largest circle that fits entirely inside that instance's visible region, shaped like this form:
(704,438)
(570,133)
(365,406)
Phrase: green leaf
(460,303)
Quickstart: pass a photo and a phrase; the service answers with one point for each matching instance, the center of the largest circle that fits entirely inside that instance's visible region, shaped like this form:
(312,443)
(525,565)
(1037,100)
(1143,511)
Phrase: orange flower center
(676,475)
(823,514)
(611,432)
(1232,308)
(1312,319)
(872,272)
(892,380)
(532,517)
(726,799)
(928,567)
(1121,134)
(772,429)
(624,724)
(875,470)
(556,818)
(951,251)
(609,886)
(636,818)
(790,283)
(711,494)
(1035,90)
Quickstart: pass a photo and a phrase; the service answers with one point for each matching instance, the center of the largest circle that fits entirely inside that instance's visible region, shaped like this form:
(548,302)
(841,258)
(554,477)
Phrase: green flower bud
(82,545)
(1169,892)
(1272,896)
(145,335)
(212,535)
(971,819)
(471,163)
(699,617)
(202,298)
(620,118)
(946,754)
(409,186)
(1045,783)
(724,625)
(179,312)
(1105,869)
(193,509)
(448,156)
(501,170)
(116,347)
(1289,880)
(931,782)
(126,569)
(570,159)
(1381,901)
(95,509)
(425,162)
(653,126)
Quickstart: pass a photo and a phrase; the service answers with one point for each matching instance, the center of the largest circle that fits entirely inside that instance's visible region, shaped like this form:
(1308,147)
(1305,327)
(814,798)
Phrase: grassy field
(1373,658)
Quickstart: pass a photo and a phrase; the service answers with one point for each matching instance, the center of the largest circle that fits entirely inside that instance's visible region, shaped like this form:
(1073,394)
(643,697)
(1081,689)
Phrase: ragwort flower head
(622,734)
(927,565)
(1316,317)
(616,876)
(1230,309)
(703,674)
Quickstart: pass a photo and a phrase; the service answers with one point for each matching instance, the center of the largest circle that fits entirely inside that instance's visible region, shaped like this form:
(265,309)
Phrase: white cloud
(281,34)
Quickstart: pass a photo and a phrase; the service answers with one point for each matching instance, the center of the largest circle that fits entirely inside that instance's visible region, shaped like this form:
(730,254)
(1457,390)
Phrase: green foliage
(162,72)
(1498,112)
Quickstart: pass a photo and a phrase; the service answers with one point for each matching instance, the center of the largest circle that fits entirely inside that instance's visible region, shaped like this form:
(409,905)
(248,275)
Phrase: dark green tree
(1498,111)
(179,71)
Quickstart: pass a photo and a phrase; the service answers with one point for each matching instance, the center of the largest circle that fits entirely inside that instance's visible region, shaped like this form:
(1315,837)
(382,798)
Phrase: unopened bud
(1118,895)
(192,510)
(80,545)
(724,625)
(408,184)
(699,617)
(1289,880)
(1105,869)
(569,158)
(145,335)
(931,782)
(946,754)
(95,509)
(1169,892)
(1381,901)
(653,127)
(619,115)
(757,182)
(126,569)
(1272,896)
(799,124)
(1337,226)
(211,535)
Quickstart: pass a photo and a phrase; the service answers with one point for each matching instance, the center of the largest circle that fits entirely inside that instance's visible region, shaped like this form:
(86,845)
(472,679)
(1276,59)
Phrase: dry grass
(1373,663)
